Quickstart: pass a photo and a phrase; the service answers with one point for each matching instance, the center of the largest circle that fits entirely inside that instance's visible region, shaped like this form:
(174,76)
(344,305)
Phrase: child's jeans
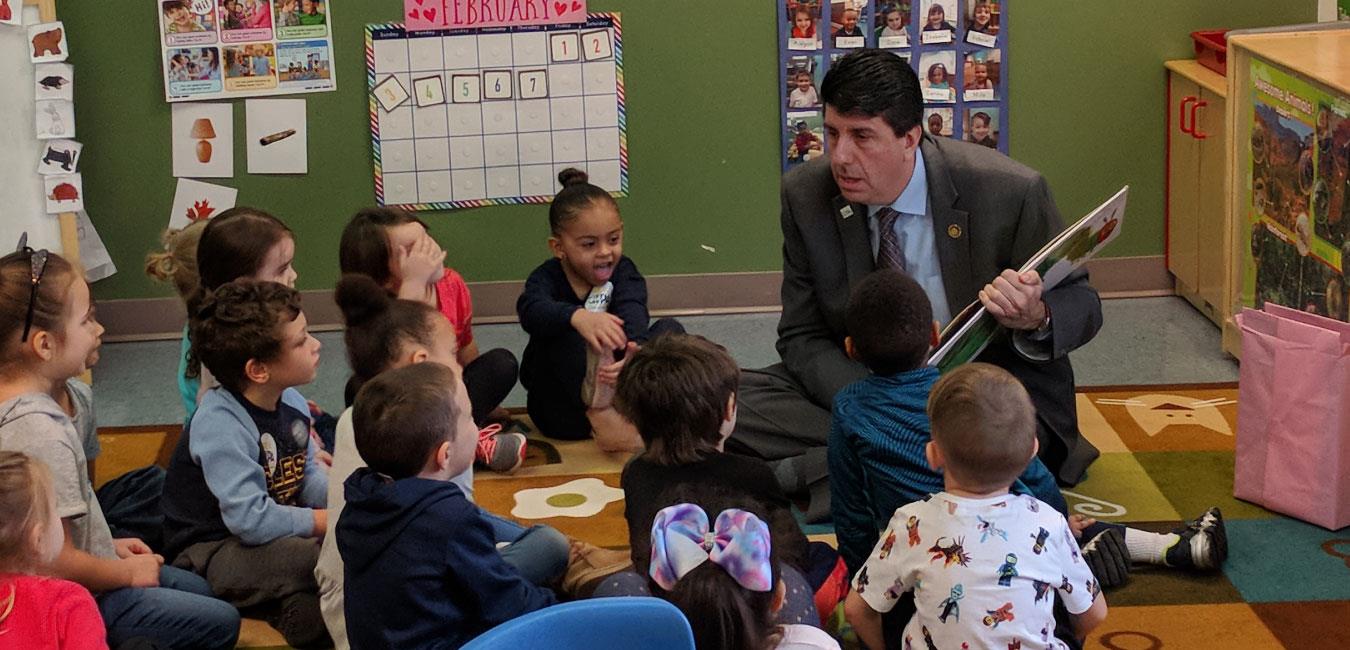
(538,553)
(180,613)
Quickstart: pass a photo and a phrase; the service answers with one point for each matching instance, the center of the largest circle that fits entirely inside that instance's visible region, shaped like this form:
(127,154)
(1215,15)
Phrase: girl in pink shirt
(38,611)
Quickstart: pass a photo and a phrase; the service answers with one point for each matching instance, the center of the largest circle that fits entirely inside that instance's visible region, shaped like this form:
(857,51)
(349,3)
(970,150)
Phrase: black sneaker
(1203,545)
(1108,558)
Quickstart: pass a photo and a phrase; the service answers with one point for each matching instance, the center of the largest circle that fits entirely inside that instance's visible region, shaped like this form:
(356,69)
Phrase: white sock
(1146,547)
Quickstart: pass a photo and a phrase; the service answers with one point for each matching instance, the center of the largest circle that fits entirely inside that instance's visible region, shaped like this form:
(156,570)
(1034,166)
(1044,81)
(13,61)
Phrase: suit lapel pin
(846,211)
(954,231)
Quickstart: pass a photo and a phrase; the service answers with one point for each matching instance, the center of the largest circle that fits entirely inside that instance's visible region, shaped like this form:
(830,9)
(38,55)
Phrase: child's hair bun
(572,176)
(360,298)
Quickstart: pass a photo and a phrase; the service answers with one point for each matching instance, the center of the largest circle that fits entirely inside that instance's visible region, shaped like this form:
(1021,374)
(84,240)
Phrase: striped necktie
(891,251)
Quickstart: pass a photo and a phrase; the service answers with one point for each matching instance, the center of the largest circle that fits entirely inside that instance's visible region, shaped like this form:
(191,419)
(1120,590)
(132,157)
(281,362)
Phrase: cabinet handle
(1181,114)
(1194,130)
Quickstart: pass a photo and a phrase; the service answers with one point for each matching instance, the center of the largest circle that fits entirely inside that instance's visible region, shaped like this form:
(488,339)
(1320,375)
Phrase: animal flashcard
(54,81)
(48,41)
(64,193)
(59,157)
(11,12)
(55,119)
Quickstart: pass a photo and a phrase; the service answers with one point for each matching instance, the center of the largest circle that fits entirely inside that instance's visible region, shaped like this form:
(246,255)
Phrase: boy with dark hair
(244,495)
(421,567)
(880,428)
(1001,555)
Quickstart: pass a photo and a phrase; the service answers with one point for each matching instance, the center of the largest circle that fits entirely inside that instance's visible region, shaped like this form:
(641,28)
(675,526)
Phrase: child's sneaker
(1203,543)
(500,452)
(1108,558)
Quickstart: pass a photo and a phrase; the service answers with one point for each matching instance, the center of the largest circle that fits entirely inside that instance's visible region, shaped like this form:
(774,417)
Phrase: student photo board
(958,48)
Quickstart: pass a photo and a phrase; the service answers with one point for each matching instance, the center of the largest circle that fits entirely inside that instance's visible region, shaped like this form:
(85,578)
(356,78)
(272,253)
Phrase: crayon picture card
(277,138)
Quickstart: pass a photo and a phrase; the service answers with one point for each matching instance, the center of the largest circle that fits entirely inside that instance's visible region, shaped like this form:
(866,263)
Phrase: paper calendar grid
(504,110)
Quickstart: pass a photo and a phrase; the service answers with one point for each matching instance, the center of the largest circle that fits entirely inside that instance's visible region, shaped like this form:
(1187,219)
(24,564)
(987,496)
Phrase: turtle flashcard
(48,41)
(59,157)
(54,81)
(64,193)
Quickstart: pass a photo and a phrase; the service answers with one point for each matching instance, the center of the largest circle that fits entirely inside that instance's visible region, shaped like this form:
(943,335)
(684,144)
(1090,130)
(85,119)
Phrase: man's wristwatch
(1045,324)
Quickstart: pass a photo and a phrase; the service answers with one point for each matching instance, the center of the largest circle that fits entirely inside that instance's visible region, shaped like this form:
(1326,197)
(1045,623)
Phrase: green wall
(1087,110)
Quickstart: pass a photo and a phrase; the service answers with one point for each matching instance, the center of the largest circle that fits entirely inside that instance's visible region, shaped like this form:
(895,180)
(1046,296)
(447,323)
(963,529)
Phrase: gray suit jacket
(990,213)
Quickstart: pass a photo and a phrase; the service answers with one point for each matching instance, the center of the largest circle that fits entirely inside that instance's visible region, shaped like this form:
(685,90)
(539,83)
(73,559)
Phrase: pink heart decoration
(576,6)
(413,14)
(559,8)
(429,14)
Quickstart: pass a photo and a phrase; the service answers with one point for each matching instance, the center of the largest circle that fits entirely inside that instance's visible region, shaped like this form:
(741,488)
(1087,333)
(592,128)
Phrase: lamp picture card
(196,201)
(48,41)
(892,24)
(803,24)
(203,140)
(64,193)
(277,138)
(54,81)
(11,12)
(55,119)
(939,21)
(60,157)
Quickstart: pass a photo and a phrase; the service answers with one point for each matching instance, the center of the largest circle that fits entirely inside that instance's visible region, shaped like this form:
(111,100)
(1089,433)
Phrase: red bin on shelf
(1211,49)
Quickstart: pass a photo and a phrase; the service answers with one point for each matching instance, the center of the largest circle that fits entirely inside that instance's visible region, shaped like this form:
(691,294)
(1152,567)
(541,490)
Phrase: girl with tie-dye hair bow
(723,574)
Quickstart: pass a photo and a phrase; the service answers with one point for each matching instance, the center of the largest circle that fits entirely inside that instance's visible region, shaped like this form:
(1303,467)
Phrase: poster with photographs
(957,48)
(222,49)
(1299,233)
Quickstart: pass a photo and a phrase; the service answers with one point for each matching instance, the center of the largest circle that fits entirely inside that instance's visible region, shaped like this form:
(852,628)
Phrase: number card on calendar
(466,118)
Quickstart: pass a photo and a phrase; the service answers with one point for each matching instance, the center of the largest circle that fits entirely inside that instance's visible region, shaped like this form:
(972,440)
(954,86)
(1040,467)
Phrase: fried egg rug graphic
(583,497)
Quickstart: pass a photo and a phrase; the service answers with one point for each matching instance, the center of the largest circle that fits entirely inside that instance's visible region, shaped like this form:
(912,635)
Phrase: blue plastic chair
(596,624)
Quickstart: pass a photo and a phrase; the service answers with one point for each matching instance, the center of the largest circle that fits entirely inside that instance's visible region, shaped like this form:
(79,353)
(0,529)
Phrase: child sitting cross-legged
(384,333)
(422,569)
(244,496)
(679,390)
(717,562)
(879,431)
(982,563)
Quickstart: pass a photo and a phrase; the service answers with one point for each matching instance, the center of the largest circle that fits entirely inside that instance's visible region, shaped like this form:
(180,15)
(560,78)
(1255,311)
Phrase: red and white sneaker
(500,452)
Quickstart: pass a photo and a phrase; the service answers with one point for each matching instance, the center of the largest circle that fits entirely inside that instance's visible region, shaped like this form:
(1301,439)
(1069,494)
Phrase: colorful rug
(1167,454)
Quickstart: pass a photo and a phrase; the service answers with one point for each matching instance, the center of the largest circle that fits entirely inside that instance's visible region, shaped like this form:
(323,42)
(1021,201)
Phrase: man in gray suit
(955,216)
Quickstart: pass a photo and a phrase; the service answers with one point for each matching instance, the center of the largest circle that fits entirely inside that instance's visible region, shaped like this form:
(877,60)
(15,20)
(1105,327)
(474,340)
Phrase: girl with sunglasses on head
(48,334)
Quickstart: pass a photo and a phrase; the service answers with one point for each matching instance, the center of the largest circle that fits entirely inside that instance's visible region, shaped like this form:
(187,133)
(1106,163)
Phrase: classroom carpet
(1167,455)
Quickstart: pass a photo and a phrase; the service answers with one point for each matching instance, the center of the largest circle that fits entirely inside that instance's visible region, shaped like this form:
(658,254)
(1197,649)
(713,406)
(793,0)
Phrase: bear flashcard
(48,41)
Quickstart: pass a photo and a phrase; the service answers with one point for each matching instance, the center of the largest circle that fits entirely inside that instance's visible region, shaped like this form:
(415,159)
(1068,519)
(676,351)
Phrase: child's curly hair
(241,320)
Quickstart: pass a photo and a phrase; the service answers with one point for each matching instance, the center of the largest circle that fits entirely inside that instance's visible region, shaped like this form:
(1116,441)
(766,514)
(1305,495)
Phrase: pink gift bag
(1293,428)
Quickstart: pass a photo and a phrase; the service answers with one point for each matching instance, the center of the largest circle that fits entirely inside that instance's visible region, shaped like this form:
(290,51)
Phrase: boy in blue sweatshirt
(421,567)
(880,428)
(244,495)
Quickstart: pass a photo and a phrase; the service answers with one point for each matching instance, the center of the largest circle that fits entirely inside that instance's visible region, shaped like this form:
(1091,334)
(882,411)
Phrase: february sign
(466,14)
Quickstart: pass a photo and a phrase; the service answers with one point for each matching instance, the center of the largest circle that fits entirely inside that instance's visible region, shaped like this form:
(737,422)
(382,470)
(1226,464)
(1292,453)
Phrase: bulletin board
(958,48)
(468,118)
